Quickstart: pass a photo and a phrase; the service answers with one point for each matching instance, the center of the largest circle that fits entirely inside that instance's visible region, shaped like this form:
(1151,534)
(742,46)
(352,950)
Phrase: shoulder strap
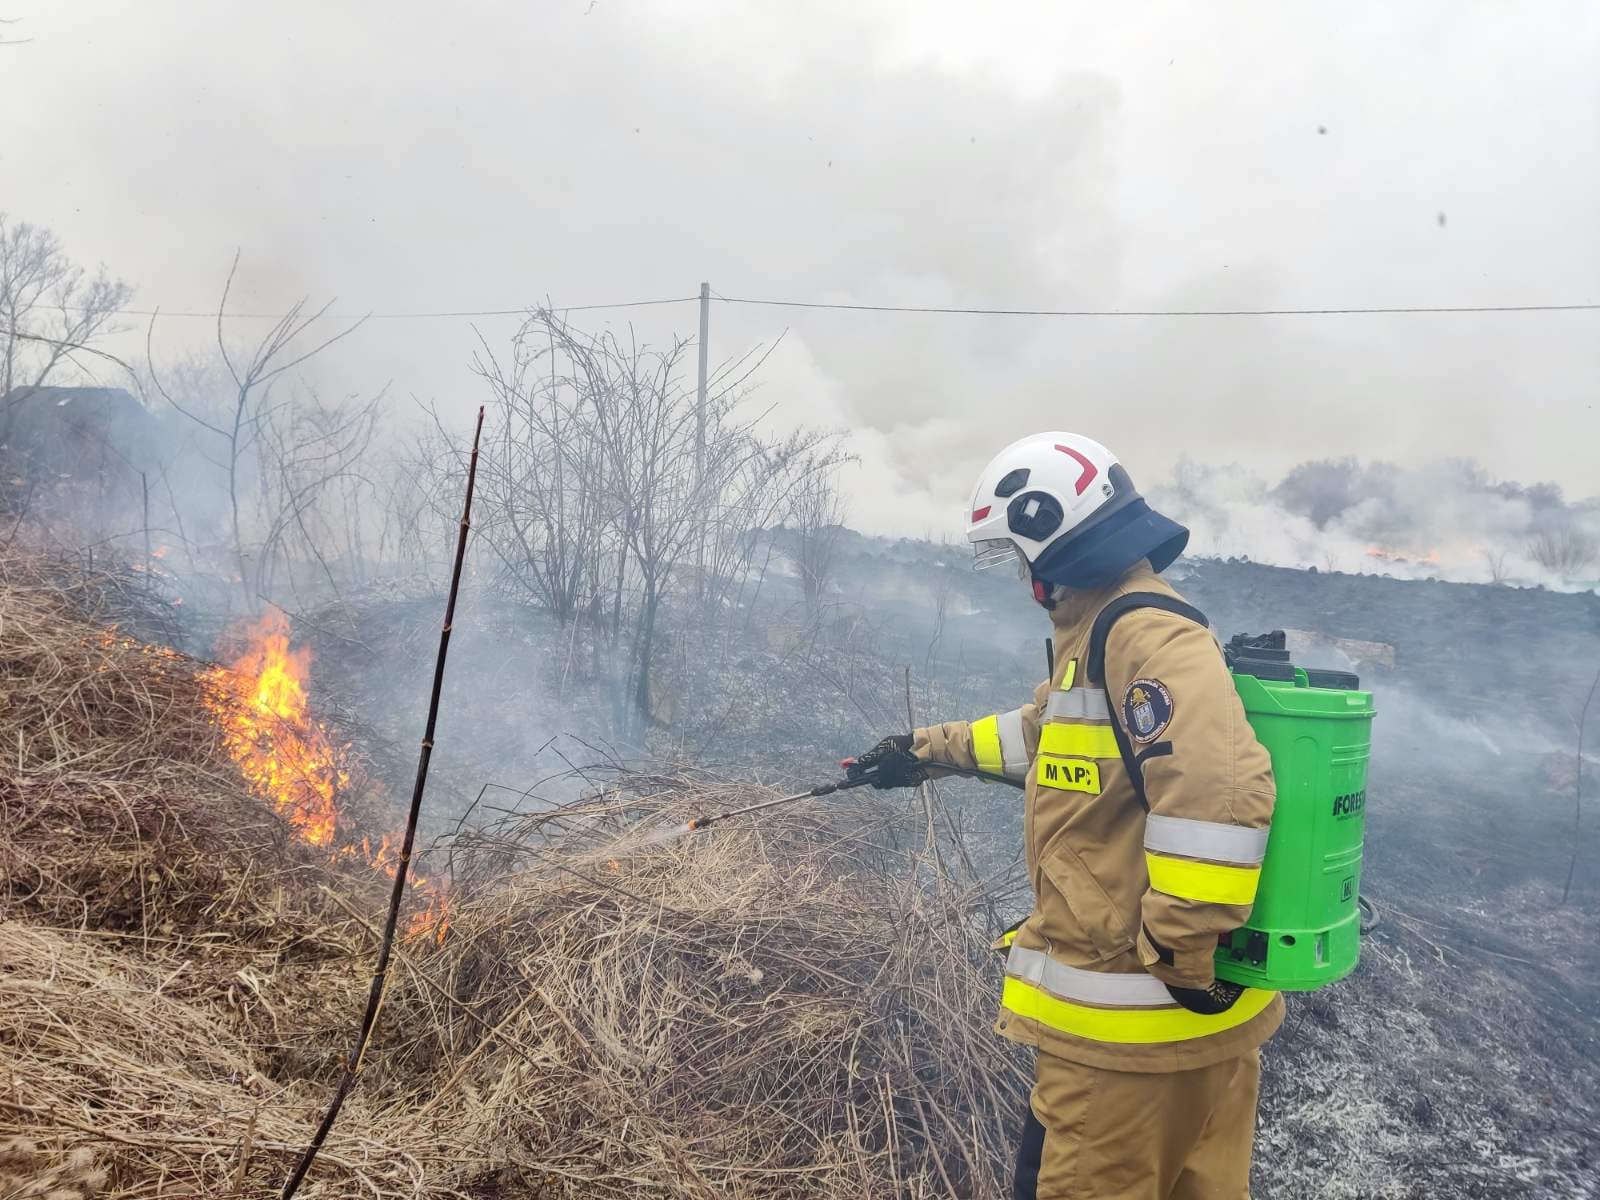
(1122,605)
(1095,667)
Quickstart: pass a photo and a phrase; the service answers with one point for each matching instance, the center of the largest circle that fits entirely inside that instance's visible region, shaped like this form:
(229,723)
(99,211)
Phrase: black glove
(1209,1001)
(891,763)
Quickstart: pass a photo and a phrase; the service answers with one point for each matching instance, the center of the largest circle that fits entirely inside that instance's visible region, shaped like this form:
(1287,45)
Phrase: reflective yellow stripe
(1069,674)
(1084,741)
(986,745)
(1209,882)
(1127,1024)
(1068,774)
(1009,936)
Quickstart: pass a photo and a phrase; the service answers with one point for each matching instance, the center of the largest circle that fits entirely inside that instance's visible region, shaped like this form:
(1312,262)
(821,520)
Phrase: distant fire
(290,760)
(1430,559)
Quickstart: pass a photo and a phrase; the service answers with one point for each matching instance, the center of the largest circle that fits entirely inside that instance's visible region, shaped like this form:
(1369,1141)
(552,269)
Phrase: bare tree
(817,516)
(647,427)
(760,483)
(596,488)
(544,506)
(52,312)
(418,500)
(238,426)
(309,486)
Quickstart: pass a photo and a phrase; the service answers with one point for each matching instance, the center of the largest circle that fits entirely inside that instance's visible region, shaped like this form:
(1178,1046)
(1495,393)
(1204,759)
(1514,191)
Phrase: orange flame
(290,760)
(287,757)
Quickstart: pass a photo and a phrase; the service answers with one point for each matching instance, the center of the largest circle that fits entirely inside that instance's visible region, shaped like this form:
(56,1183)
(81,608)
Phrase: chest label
(1069,774)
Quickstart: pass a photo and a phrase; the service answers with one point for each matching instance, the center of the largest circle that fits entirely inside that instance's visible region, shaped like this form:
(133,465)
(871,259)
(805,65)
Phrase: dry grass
(105,1066)
(782,1009)
(120,807)
(762,1010)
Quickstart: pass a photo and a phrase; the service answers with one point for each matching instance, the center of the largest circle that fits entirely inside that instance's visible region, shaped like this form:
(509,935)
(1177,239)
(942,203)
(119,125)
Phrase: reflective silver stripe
(1013,746)
(1077,704)
(1204,839)
(1086,987)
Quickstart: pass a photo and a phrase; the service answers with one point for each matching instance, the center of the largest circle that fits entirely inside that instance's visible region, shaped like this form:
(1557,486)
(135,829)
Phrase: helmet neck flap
(1100,554)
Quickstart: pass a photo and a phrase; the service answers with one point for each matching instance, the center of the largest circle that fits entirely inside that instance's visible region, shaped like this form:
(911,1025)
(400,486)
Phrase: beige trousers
(1121,1135)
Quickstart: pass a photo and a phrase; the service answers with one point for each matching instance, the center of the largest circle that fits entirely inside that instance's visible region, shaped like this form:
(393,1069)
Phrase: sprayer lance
(827,789)
(822,789)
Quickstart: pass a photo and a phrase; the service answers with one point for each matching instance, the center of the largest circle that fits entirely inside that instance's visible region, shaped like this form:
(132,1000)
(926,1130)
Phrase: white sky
(407,156)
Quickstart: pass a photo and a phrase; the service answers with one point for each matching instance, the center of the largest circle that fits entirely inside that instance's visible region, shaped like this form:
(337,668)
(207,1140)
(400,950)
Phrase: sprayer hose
(1369,914)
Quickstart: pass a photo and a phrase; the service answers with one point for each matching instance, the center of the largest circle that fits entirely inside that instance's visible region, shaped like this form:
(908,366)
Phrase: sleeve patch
(1146,709)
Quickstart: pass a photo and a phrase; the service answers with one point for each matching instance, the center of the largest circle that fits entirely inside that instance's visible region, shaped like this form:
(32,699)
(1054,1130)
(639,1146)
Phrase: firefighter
(1146,807)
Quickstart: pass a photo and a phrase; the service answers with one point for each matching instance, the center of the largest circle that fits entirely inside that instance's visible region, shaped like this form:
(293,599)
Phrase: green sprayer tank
(1305,928)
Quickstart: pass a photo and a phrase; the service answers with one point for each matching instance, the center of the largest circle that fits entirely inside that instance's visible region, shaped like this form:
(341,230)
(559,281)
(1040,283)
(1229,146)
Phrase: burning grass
(769,1010)
(259,702)
(120,808)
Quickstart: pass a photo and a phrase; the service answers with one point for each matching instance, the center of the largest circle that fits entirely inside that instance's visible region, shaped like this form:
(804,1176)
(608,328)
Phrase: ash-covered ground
(1457,1061)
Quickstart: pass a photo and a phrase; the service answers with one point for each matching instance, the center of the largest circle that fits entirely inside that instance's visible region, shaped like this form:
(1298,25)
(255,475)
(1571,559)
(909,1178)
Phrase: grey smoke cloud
(489,155)
(1432,520)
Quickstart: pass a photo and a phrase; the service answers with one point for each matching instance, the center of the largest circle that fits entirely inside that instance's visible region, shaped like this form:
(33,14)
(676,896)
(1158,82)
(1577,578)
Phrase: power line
(947,310)
(1165,312)
(410,316)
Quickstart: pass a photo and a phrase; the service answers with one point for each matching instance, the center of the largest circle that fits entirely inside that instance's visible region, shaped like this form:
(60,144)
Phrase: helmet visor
(994,552)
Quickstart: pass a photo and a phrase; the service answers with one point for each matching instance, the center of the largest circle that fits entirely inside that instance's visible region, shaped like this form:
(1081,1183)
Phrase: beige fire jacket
(1127,901)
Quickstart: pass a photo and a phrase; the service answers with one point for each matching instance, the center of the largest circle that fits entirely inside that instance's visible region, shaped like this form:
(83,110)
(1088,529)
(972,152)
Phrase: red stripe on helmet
(1089,469)
(980,513)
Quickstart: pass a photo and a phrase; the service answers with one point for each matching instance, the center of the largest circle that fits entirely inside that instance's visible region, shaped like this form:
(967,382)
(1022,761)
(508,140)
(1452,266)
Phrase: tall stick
(369,1019)
(700,445)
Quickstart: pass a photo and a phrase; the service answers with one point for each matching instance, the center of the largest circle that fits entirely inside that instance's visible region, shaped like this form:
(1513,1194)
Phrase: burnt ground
(1457,1061)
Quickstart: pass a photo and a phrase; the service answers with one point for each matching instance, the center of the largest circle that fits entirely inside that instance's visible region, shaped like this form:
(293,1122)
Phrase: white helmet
(1066,511)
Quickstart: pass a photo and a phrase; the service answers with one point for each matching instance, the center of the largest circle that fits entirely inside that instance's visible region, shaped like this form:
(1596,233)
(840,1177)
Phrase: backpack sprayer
(1304,930)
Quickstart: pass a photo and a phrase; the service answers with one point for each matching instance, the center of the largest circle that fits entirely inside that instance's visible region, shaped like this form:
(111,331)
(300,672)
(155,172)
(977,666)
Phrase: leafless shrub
(1495,558)
(817,515)
(1566,548)
(606,488)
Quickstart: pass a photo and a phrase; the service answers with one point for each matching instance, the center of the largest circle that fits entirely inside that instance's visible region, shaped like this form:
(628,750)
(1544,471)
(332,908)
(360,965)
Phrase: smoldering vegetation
(775,1011)
(1454,1062)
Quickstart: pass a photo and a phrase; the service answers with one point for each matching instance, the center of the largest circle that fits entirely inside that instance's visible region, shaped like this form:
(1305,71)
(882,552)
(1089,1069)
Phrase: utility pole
(700,443)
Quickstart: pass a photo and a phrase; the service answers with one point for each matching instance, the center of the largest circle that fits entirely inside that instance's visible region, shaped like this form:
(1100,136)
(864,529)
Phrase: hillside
(1454,1062)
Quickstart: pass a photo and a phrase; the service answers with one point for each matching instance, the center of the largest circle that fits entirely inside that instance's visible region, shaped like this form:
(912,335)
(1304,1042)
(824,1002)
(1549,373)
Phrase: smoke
(1438,520)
